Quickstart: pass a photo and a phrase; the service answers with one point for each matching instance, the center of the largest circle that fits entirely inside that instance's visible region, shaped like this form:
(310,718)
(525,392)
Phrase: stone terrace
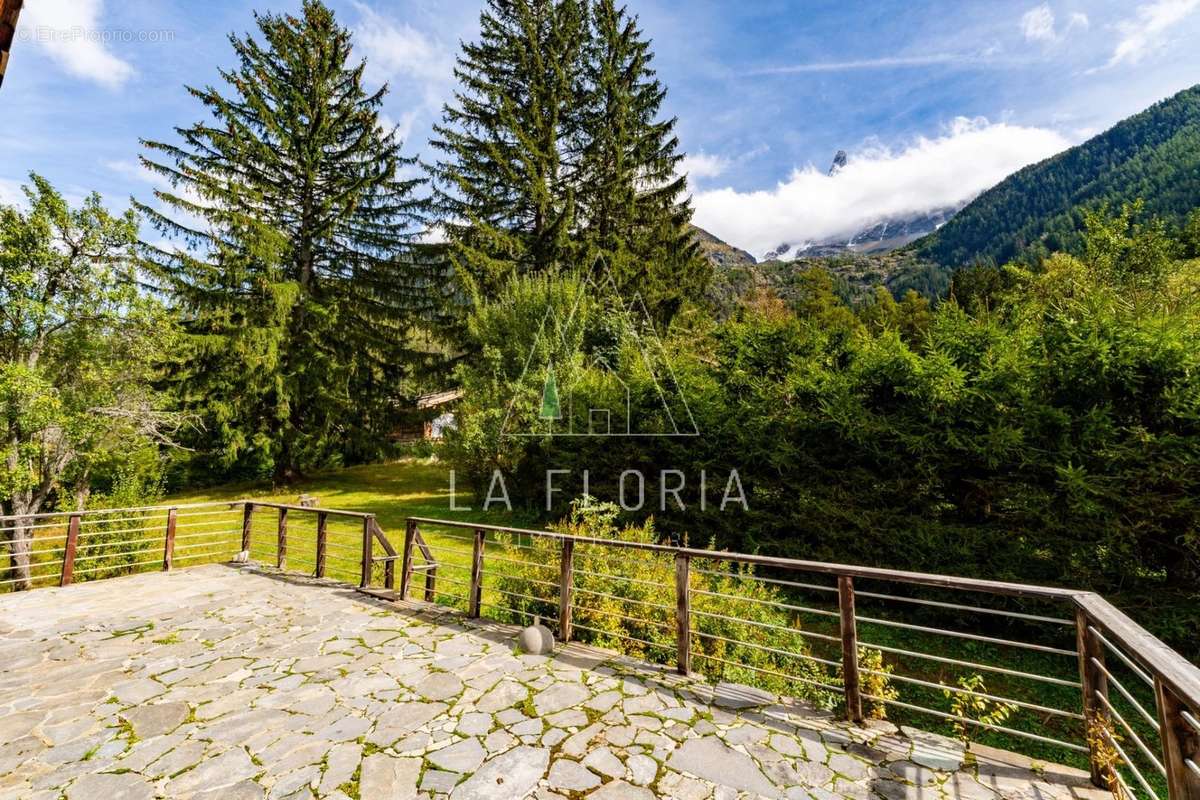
(228,683)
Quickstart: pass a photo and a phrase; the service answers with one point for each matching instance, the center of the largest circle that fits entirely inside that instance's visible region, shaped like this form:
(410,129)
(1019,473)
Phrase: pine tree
(632,205)
(502,189)
(294,268)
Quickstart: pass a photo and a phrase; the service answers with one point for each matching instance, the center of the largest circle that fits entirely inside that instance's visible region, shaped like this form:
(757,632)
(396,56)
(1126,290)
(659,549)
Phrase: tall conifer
(292,212)
(633,209)
(502,187)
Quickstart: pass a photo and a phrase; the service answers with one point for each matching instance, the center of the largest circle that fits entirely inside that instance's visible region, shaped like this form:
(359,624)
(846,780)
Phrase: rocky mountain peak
(839,161)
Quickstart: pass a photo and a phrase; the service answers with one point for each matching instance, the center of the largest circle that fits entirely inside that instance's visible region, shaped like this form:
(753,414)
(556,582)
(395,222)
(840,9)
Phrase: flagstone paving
(223,682)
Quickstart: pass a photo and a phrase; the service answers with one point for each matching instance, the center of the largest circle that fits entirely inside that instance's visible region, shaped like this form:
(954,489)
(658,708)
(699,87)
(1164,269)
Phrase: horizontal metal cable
(784,675)
(456,536)
(520,546)
(84,522)
(117,566)
(653,623)
(968,721)
(458,600)
(121,543)
(443,578)
(87,534)
(767,625)
(194,545)
(789,653)
(958,607)
(1195,768)
(1190,720)
(93,512)
(522,579)
(776,581)
(32,578)
(62,536)
(1125,693)
(772,603)
(1121,655)
(1133,734)
(40,527)
(494,557)
(440,565)
(42,552)
(969,664)
(646,603)
(622,636)
(589,573)
(529,614)
(1112,741)
(186,525)
(213,512)
(523,596)
(973,636)
(203,555)
(972,693)
(91,559)
(230,533)
(38,564)
(439,549)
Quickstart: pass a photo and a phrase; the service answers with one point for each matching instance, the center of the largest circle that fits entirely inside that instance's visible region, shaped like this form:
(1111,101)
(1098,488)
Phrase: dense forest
(1153,156)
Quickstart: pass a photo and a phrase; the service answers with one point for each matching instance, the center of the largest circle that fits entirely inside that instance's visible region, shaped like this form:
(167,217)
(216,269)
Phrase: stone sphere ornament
(537,639)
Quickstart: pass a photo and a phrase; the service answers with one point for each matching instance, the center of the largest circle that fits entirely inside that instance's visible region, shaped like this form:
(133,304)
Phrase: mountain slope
(1154,155)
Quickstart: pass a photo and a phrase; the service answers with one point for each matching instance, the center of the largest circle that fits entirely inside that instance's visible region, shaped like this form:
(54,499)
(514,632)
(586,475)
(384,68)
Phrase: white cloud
(1039,24)
(888,62)
(703,165)
(1147,27)
(69,32)
(396,49)
(876,184)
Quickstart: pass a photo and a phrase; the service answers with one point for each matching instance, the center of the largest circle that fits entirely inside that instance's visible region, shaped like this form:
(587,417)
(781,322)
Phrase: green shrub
(624,599)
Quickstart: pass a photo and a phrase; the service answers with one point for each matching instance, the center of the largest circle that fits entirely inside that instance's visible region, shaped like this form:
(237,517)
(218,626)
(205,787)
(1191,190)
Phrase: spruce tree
(292,212)
(633,208)
(502,189)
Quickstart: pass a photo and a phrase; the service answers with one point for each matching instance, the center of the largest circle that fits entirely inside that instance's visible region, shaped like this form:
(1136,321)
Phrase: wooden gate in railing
(1101,631)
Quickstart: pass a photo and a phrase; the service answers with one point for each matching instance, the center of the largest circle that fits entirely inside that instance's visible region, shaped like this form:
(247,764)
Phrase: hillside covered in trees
(1154,156)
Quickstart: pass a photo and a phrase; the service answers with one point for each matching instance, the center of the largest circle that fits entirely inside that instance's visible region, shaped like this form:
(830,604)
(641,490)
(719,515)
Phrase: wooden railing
(1102,634)
(1119,664)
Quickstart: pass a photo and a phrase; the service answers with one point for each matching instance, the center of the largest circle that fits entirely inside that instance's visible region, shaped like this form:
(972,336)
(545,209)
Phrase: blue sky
(934,99)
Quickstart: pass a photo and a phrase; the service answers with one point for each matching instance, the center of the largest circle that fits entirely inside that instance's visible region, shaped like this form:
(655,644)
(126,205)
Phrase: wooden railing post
(368,557)
(566,587)
(281,544)
(1094,681)
(247,523)
(68,566)
(389,572)
(683,614)
(849,630)
(476,598)
(1180,743)
(169,544)
(322,542)
(410,532)
(430,571)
